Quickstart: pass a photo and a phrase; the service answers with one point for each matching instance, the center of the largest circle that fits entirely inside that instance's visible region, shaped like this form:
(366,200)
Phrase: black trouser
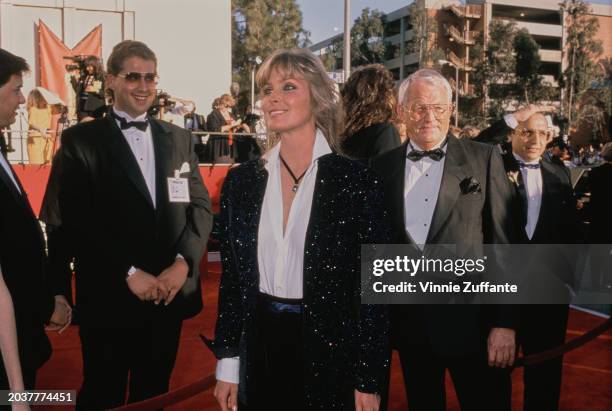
(478,386)
(542,327)
(146,353)
(279,369)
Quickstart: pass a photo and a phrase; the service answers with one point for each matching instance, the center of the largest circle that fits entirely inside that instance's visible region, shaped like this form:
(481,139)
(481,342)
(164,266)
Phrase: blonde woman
(40,115)
(291,332)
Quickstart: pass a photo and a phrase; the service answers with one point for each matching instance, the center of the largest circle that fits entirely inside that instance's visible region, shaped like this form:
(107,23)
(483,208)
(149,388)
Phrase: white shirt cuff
(510,121)
(131,271)
(228,370)
(179,255)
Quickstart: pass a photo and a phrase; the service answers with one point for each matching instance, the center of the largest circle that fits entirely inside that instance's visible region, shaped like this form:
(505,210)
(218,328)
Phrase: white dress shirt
(7,168)
(141,144)
(422,180)
(532,180)
(280,256)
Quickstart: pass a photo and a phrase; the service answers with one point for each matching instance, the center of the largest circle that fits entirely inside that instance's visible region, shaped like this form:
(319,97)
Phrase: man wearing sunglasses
(127,203)
(441,190)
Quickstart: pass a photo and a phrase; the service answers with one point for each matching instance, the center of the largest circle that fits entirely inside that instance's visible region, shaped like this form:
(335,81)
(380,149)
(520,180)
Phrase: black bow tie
(435,154)
(140,125)
(530,166)
(416,155)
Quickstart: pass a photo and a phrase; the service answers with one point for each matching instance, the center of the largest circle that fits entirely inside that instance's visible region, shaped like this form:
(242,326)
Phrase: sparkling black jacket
(345,343)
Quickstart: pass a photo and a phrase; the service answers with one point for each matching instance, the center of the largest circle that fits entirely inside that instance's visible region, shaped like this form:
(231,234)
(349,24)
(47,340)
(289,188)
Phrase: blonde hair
(325,100)
(36,99)
(227,100)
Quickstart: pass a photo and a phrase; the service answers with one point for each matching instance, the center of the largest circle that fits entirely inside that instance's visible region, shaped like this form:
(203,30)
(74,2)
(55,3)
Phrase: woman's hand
(366,402)
(226,394)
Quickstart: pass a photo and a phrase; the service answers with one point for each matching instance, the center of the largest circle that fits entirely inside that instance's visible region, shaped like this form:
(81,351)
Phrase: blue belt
(279,305)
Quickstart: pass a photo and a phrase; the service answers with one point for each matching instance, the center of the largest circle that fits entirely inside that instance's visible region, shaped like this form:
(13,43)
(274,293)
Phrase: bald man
(548,210)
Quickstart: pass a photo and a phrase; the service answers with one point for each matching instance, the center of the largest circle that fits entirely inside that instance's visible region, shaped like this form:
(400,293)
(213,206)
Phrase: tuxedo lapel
(254,200)
(10,185)
(396,191)
(164,167)
(122,154)
(454,172)
(548,183)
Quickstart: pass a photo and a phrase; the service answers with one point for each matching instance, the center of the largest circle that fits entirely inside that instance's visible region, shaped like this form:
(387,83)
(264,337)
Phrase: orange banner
(51,53)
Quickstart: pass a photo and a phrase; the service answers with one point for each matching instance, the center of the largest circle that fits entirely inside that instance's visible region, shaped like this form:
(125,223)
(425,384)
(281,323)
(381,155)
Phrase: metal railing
(459,62)
(470,11)
(466,37)
(19,139)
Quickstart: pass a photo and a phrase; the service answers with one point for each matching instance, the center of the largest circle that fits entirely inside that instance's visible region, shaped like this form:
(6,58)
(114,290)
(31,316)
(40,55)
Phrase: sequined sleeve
(374,349)
(229,315)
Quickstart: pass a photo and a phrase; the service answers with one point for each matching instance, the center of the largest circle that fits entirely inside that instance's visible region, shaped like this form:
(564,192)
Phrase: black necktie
(140,125)
(530,166)
(436,154)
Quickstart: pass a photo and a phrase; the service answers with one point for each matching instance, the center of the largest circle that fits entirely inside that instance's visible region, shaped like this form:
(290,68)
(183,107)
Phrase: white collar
(521,159)
(320,148)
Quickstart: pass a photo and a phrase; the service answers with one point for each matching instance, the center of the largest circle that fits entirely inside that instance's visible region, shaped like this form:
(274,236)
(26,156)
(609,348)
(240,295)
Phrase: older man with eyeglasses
(441,190)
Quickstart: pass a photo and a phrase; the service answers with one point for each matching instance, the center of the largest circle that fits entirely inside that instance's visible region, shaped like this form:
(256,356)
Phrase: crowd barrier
(204,384)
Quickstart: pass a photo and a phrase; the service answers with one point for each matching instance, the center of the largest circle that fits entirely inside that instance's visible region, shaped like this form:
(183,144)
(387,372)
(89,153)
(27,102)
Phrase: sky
(320,17)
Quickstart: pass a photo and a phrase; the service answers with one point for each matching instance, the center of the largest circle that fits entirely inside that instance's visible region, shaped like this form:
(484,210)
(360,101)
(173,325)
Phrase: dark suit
(600,205)
(600,214)
(371,141)
(432,338)
(102,215)
(345,343)
(543,326)
(22,260)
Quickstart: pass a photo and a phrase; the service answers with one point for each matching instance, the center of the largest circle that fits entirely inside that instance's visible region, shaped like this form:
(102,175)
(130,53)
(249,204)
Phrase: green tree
(367,33)
(494,73)
(259,27)
(584,52)
(423,42)
(527,66)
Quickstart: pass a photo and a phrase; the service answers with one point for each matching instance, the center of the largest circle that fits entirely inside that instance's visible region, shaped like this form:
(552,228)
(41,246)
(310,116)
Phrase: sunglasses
(134,77)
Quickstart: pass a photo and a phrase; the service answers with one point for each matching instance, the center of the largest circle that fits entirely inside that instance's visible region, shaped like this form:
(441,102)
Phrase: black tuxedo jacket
(558,228)
(22,260)
(102,215)
(466,219)
(600,206)
(557,219)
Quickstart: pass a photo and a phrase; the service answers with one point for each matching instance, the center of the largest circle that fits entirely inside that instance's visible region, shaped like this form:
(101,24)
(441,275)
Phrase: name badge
(178,189)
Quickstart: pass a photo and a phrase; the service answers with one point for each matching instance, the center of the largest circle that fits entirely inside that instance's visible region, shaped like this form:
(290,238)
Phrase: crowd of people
(126,208)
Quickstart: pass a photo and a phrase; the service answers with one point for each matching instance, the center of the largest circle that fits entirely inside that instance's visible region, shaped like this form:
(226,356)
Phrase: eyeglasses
(539,134)
(134,77)
(418,111)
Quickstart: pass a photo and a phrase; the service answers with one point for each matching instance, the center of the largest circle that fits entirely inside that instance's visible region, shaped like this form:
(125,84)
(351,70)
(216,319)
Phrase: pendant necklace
(296,180)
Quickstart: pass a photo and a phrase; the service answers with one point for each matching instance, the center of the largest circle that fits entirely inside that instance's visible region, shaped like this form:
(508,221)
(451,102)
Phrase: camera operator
(171,109)
(89,87)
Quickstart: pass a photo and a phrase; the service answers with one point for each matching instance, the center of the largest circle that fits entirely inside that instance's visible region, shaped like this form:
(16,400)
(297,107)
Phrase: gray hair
(429,75)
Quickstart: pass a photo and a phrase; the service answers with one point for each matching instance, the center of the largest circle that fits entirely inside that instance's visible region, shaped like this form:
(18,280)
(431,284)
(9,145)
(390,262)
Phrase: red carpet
(587,377)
